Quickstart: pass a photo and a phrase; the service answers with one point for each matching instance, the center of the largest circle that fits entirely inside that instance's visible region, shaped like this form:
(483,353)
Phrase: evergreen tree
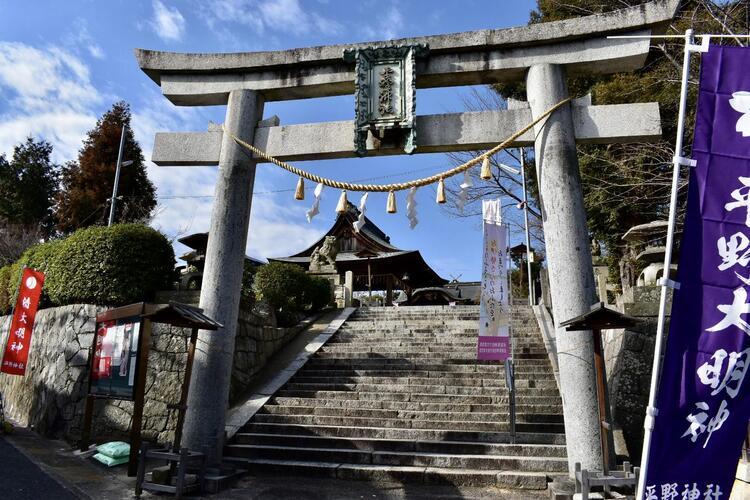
(28,186)
(629,184)
(87,184)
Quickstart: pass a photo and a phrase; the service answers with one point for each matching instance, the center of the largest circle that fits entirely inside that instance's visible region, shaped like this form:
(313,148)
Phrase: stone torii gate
(543,54)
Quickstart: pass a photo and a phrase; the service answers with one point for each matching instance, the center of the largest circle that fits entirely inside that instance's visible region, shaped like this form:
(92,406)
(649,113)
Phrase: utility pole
(117,177)
(529,254)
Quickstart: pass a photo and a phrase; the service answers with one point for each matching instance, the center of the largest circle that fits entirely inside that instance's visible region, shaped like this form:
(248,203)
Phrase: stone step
(457,358)
(417,406)
(520,371)
(551,390)
(427,324)
(397,423)
(347,431)
(391,340)
(402,445)
(429,365)
(436,340)
(404,309)
(439,353)
(465,416)
(410,329)
(493,382)
(402,474)
(399,458)
(419,398)
(431,332)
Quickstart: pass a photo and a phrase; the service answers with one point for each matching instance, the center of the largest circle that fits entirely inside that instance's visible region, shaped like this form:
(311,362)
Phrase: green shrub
(282,285)
(247,294)
(5,297)
(318,293)
(113,265)
(40,257)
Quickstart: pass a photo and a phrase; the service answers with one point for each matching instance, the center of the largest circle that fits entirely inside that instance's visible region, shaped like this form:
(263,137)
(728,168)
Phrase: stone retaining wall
(628,355)
(51,397)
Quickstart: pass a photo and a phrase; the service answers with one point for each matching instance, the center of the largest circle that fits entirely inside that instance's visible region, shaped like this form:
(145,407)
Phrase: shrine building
(368,254)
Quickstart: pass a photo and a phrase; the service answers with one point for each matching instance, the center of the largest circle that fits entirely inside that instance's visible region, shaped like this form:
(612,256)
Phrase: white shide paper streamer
(361,219)
(315,209)
(411,208)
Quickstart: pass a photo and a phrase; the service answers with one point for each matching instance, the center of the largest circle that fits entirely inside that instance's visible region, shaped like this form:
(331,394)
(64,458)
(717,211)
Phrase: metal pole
(369,279)
(651,410)
(117,178)
(526,223)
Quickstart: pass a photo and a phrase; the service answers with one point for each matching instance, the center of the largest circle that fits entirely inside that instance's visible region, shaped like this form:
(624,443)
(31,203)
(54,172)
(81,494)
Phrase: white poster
(117,344)
(494,309)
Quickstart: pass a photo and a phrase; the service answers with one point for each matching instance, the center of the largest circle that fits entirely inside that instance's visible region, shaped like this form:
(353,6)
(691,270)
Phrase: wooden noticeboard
(117,368)
(119,359)
(115,360)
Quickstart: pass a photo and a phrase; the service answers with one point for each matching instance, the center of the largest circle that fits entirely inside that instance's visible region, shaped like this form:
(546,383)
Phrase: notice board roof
(598,318)
(174,313)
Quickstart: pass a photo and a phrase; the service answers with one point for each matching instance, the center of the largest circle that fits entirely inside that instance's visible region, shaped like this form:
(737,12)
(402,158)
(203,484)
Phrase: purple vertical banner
(703,404)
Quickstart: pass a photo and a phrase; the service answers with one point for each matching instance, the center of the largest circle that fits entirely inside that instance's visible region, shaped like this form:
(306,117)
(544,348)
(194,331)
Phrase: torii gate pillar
(222,278)
(569,260)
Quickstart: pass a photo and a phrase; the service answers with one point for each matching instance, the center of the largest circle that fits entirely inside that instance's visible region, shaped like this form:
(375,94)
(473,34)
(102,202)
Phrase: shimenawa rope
(401,185)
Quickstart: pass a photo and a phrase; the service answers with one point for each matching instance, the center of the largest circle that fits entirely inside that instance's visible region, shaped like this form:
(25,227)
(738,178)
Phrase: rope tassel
(440,192)
(299,194)
(391,205)
(486,172)
(341,207)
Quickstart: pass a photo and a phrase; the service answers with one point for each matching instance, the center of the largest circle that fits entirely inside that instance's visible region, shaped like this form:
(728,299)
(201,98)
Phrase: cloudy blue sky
(62,64)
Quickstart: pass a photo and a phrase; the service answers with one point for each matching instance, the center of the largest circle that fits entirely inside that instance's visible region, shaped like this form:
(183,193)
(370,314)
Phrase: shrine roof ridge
(653,14)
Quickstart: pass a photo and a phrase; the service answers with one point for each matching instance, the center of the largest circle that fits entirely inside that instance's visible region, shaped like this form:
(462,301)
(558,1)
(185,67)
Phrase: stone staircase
(397,396)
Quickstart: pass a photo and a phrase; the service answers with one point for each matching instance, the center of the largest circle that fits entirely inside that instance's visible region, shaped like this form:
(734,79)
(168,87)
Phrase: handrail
(510,384)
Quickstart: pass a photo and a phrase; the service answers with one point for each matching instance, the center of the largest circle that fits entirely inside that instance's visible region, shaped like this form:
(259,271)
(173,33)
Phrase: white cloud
(79,39)
(386,27)
(185,194)
(277,228)
(268,16)
(167,23)
(48,93)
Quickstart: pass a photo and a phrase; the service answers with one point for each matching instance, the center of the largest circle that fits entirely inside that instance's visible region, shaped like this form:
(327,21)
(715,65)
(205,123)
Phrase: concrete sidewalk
(75,477)
(23,479)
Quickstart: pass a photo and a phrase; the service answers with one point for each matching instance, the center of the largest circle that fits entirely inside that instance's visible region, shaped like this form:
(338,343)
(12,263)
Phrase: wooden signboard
(117,370)
(115,359)
(119,359)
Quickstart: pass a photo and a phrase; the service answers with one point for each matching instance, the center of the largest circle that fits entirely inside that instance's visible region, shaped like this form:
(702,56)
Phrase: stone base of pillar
(743,471)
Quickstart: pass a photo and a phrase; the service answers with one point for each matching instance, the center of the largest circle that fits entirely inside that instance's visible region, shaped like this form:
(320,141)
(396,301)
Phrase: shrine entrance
(384,77)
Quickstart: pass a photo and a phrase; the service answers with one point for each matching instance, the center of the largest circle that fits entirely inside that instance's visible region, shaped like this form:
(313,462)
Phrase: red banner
(19,337)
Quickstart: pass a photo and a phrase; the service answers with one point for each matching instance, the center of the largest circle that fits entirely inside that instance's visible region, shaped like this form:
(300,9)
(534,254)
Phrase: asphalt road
(21,479)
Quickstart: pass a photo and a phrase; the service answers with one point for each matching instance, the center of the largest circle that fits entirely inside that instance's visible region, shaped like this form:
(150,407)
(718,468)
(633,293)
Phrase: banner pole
(13,310)
(651,410)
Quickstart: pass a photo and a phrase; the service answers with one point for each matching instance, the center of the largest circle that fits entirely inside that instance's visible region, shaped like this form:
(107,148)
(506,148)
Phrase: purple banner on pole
(703,404)
(493,348)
